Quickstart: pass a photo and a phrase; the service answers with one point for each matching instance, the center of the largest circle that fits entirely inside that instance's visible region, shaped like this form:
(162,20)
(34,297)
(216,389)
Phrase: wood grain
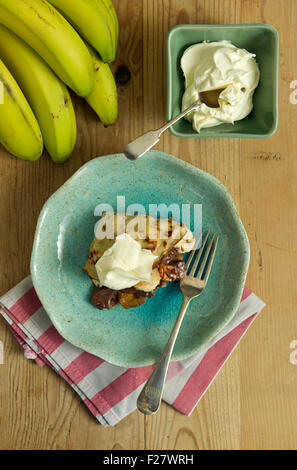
(252,402)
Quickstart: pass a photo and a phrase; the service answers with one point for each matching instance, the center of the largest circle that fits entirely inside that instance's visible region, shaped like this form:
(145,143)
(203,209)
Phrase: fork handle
(149,399)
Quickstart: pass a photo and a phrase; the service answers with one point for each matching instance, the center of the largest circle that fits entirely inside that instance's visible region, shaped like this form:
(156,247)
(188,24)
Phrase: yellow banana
(114,16)
(103,98)
(19,130)
(41,26)
(47,95)
(93,21)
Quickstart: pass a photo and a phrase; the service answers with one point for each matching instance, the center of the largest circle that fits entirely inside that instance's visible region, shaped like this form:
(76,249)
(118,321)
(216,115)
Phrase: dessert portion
(132,256)
(209,66)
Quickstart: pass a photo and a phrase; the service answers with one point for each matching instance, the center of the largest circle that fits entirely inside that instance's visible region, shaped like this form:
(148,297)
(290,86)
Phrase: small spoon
(145,142)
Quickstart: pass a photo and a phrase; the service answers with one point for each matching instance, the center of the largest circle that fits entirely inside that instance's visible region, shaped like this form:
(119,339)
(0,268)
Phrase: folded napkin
(109,391)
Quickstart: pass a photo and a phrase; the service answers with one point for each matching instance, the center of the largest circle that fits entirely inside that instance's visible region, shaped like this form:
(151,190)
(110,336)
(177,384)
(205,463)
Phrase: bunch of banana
(41,26)
(48,96)
(45,46)
(19,131)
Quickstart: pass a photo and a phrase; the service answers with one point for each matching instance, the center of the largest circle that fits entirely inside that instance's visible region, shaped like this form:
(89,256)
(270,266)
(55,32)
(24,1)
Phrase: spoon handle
(170,123)
(145,142)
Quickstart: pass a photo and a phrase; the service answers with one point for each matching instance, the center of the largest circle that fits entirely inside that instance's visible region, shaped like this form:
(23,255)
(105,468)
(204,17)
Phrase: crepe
(159,236)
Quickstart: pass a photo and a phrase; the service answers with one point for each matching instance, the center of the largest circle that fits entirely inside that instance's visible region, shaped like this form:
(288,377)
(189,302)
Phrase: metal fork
(191,286)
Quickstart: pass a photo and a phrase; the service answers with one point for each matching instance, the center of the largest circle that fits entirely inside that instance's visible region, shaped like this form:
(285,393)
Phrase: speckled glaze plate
(135,337)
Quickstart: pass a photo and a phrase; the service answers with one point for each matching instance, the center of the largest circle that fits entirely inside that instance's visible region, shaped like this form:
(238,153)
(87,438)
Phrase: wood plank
(252,402)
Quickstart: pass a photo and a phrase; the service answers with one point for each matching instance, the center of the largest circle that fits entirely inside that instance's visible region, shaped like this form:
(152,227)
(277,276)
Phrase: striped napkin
(109,391)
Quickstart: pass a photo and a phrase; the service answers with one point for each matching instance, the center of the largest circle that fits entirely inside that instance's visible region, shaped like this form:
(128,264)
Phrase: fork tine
(213,252)
(200,251)
(205,258)
(189,260)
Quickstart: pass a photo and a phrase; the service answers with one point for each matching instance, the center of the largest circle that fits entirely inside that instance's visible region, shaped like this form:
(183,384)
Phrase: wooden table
(252,402)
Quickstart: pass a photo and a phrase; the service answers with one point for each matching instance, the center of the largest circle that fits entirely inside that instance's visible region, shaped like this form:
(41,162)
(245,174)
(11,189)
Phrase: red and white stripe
(109,391)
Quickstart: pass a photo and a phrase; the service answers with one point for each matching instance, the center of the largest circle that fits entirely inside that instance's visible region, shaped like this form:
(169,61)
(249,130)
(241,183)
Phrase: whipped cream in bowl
(210,66)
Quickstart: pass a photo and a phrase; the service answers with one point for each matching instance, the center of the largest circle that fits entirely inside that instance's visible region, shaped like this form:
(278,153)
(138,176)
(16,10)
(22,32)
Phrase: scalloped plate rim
(183,164)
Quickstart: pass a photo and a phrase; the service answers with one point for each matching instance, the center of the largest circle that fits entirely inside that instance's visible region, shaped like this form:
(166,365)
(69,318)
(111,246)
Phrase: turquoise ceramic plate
(135,337)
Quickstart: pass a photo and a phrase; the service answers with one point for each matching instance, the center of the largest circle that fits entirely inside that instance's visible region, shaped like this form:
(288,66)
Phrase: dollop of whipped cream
(124,264)
(214,66)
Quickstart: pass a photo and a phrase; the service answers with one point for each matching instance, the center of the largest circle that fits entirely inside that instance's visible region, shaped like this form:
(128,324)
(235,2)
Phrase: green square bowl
(259,39)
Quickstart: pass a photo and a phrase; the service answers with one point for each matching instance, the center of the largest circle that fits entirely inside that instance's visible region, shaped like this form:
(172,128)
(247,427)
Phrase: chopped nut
(172,272)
